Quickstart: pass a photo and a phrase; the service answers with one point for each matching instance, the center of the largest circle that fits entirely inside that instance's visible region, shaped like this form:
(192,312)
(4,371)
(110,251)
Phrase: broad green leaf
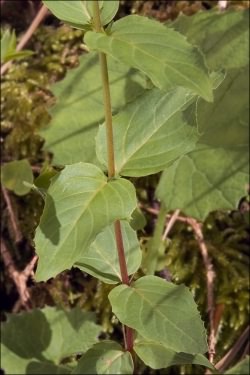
(138,220)
(101,259)
(14,174)
(215,175)
(78,13)
(222,36)
(162,312)
(224,124)
(73,12)
(106,357)
(156,355)
(79,107)
(149,133)
(205,180)
(32,342)
(161,53)
(80,203)
(241,368)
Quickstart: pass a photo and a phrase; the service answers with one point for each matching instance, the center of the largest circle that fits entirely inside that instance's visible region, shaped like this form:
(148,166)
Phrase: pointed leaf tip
(161,311)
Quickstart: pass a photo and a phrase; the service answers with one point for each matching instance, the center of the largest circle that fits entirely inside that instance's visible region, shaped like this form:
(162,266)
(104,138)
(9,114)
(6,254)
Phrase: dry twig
(27,35)
(170,224)
(19,277)
(229,357)
(13,221)
(197,227)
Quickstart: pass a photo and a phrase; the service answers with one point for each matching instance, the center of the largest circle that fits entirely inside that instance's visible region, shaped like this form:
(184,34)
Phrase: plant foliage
(34,342)
(166,118)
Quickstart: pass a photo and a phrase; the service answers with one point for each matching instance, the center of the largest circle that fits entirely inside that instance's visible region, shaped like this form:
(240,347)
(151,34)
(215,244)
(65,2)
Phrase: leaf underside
(107,357)
(157,356)
(162,312)
(101,259)
(223,37)
(215,175)
(161,53)
(149,133)
(79,108)
(33,343)
(79,13)
(80,203)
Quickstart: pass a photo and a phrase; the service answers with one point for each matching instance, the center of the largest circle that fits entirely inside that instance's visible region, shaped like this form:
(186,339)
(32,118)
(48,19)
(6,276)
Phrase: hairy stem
(128,332)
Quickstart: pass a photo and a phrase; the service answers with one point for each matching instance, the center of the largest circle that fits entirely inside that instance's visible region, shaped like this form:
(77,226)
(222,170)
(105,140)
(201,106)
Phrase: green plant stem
(106,96)
(128,332)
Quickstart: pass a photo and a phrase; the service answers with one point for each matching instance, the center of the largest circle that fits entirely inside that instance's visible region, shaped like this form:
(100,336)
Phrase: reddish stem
(121,253)
(128,332)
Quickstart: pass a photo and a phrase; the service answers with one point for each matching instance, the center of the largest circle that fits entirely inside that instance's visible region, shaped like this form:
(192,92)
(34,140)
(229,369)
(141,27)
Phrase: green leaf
(42,182)
(205,180)
(161,53)
(162,312)
(108,9)
(224,124)
(149,133)
(46,368)
(14,174)
(80,203)
(32,342)
(106,357)
(138,220)
(17,55)
(156,355)
(215,175)
(45,176)
(241,368)
(8,44)
(78,13)
(222,36)
(101,259)
(79,108)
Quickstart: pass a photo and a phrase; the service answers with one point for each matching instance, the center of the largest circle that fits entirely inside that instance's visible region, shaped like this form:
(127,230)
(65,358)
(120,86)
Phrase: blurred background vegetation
(25,99)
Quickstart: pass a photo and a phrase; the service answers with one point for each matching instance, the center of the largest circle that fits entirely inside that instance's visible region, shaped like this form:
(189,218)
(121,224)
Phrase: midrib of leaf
(163,316)
(85,10)
(106,261)
(127,156)
(108,365)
